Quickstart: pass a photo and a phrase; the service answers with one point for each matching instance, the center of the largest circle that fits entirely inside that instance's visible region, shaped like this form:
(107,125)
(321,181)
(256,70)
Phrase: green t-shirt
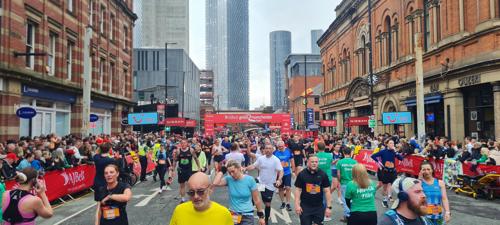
(345,166)
(324,163)
(362,200)
(2,190)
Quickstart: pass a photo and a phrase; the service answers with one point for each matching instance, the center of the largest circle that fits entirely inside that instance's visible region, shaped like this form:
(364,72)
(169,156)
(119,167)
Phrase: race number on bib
(110,213)
(284,164)
(312,189)
(236,217)
(184,161)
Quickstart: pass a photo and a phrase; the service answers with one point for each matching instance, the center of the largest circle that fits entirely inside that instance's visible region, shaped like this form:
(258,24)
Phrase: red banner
(357,121)
(364,157)
(190,123)
(247,118)
(173,122)
(328,123)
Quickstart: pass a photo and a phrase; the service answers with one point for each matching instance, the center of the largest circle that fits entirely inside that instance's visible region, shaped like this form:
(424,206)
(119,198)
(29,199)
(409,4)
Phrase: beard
(419,208)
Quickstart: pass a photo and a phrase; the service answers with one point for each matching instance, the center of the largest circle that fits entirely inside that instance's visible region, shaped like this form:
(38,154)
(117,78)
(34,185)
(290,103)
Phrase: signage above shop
(358,121)
(328,123)
(41,93)
(94,117)
(396,118)
(174,122)
(142,118)
(26,112)
(469,80)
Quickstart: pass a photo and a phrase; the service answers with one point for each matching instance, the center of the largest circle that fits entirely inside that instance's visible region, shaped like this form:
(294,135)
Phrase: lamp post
(166,75)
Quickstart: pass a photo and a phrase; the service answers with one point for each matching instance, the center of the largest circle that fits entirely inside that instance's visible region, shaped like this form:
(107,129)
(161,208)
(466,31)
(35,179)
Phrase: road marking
(75,214)
(283,215)
(145,201)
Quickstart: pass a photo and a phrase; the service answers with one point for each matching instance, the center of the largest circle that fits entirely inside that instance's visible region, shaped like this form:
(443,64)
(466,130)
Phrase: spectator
(8,169)
(26,162)
(36,163)
(59,159)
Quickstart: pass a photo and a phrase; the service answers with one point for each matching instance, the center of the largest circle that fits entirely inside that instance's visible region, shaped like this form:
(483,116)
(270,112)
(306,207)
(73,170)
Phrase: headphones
(402,195)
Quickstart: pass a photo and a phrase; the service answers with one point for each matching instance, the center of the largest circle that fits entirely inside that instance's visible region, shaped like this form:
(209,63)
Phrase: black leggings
(362,218)
(162,169)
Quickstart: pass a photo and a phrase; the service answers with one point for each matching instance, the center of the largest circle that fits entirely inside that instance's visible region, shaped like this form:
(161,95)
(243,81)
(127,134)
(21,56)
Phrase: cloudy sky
(296,16)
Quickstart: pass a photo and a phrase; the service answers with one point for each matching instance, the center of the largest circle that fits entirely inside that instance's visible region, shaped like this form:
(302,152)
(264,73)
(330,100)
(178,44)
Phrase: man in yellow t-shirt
(200,210)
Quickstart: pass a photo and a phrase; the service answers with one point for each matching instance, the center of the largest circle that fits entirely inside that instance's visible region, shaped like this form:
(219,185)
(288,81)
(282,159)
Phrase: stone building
(41,65)
(460,64)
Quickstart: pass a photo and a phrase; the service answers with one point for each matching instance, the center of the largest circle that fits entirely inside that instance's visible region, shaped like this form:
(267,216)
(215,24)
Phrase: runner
(112,199)
(312,190)
(235,154)
(19,206)
(297,147)
(360,197)
(184,157)
(387,173)
(242,190)
(162,166)
(344,173)
(325,161)
(438,206)
(337,155)
(285,156)
(270,176)
(410,208)
(101,160)
(200,210)
(217,152)
(202,159)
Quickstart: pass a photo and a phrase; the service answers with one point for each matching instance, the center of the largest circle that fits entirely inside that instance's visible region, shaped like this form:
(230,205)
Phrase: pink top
(23,214)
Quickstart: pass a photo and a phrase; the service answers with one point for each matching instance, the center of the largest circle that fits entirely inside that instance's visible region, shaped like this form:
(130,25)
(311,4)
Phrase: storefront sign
(396,118)
(470,80)
(430,117)
(357,121)
(142,118)
(310,117)
(94,117)
(48,94)
(328,123)
(102,104)
(26,112)
(174,122)
(190,123)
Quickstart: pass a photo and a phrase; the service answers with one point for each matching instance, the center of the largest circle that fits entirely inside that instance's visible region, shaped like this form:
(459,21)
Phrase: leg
(161,172)
(305,220)
(144,163)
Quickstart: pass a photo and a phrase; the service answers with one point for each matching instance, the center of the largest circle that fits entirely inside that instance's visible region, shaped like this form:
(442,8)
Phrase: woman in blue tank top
(438,207)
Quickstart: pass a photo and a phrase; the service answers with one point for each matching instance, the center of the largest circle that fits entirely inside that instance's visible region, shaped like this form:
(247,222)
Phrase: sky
(297,16)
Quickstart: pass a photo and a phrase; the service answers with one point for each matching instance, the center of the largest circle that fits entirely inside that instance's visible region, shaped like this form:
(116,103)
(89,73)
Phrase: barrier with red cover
(411,165)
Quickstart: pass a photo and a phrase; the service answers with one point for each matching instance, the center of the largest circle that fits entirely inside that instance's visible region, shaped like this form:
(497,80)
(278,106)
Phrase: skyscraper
(227,51)
(162,21)
(280,43)
(315,35)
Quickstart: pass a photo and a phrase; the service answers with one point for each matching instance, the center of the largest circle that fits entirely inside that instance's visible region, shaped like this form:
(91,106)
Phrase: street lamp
(166,75)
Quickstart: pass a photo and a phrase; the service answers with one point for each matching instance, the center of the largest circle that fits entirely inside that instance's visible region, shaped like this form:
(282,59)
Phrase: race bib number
(434,209)
(184,161)
(312,189)
(236,217)
(110,213)
(285,164)
(389,165)
(297,153)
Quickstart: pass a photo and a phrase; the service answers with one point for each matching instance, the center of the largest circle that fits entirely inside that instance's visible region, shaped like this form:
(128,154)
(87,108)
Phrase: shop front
(479,111)
(434,113)
(104,111)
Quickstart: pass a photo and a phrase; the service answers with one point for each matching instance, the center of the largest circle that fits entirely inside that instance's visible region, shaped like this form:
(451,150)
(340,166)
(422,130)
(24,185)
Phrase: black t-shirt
(386,220)
(312,184)
(296,148)
(113,212)
(100,164)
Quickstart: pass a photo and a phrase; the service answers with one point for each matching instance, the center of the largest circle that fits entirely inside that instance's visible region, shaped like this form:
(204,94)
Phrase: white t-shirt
(237,156)
(268,170)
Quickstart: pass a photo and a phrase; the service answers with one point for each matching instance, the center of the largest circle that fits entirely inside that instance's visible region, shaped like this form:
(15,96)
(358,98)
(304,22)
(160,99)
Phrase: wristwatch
(261,215)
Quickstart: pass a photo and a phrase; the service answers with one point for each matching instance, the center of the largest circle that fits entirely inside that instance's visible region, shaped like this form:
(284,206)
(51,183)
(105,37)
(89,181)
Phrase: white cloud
(296,16)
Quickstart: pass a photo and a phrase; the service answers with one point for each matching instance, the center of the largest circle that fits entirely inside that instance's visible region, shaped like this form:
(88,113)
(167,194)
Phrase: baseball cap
(12,156)
(407,183)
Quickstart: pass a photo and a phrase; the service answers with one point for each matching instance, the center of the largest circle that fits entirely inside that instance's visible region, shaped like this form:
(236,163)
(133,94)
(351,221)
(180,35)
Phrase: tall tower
(227,51)
(315,35)
(280,46)
(162,21)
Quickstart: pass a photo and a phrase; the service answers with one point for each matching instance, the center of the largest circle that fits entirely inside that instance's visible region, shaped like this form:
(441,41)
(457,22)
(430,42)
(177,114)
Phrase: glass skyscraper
(227,51)
(280,43)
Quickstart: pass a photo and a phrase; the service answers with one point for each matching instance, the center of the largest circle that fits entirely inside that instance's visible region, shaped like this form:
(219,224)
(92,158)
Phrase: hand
(328,212)
(107,198)
(298,209)
(447,217)
(40,187)
(262,221)
(278,183)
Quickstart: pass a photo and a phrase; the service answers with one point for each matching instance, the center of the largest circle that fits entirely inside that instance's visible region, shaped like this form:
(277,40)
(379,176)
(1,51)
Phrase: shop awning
(357,121)
(428,99)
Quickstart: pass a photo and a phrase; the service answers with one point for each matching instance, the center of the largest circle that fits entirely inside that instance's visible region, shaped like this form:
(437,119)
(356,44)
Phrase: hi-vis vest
(134,156)
(142,151)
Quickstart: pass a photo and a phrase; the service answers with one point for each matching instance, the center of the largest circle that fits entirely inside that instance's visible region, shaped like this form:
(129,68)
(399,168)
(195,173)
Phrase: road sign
(304,101)
(372,123)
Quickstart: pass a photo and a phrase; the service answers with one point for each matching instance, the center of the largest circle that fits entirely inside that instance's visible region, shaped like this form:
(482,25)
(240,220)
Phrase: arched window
(388,41)
(427,25)
(345,66)
(395,29)
(411,30)
(363,55)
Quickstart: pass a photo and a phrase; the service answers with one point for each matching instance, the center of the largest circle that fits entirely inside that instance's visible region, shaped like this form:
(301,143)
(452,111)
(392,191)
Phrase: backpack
(11,213)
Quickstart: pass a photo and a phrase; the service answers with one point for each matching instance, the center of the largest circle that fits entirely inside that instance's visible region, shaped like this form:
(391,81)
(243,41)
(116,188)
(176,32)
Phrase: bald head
(198,180)
(199,186)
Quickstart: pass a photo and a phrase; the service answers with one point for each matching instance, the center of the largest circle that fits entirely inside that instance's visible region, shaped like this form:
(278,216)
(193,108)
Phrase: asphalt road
(150,208)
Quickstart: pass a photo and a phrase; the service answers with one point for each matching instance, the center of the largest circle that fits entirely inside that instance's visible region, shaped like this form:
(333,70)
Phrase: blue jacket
(385,156)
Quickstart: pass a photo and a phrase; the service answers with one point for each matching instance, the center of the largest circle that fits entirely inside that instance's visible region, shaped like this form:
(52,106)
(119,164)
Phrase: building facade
(227,51)
(460,65)
(41,65)
(206,94)
(183,79)
(161,21)
(315,35)
(280,46)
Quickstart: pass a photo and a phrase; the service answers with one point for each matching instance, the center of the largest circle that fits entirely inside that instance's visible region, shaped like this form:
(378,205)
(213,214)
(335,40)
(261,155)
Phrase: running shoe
(282,205)
(288,208)
(160,191)
(340,201)
(385,204)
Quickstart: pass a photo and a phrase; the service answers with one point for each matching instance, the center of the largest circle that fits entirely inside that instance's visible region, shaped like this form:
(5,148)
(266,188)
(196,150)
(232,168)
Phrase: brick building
(51,80)
(460,64)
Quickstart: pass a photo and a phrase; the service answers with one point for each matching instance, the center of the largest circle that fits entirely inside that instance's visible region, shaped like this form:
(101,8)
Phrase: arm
(328,196)
(98,214)
(256,200)
(298,192)
(42,206)
(174,163)
(446,203)
(219,180)
(195,157)
(125,197)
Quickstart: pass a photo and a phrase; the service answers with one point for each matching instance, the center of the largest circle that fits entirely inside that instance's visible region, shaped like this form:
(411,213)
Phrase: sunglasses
(199,192)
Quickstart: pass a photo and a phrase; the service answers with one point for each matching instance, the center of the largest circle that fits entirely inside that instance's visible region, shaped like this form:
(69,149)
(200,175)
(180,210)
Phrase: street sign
(304,101)
(372,123)
(26,112)
(94,117)
(167,129)
(310,117)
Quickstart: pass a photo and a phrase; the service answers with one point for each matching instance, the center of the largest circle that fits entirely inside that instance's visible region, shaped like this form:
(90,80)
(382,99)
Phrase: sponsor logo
(73,177)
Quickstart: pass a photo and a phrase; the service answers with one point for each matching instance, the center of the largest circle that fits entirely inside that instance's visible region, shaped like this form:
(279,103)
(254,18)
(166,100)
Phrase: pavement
(147,207)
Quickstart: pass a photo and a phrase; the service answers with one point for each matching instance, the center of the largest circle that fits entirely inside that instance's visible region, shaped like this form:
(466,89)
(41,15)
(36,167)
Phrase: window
(51,54)
(363,55)
(69,60)
(101,73)
(101,20)
(388,41)
(427,26)
(316,116)
(30,44)
(316,100)
(111,76)
(125,38)
(111,27)
(123,84)
(91,12)
(438,21)
(69,5)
